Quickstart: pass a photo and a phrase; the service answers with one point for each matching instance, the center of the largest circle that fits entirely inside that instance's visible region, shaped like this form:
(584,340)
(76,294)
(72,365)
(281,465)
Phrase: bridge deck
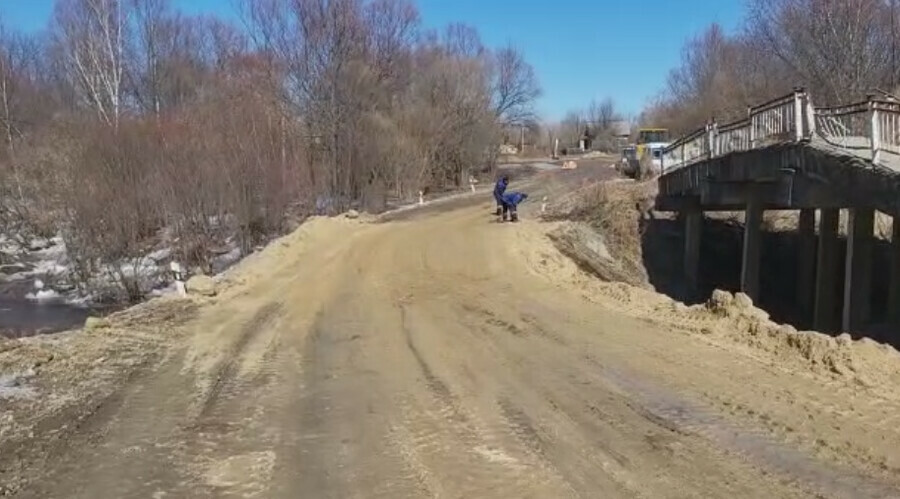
(857,147)
(788,175)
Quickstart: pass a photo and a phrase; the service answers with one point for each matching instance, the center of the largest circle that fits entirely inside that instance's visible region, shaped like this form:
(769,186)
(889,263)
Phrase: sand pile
(735,317)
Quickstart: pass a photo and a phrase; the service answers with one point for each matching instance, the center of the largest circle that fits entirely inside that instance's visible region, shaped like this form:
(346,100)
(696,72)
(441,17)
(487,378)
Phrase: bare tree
(153,28)
(463,40)
(166,60)
(840,48)
(571,128)
(91,36)
(718,77)
(601,115)
(392,26)
(515,87)
(601,118)
(17,55)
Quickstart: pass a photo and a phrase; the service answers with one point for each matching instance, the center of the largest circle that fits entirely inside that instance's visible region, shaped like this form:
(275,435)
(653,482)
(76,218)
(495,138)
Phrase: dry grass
(613,207)
(616,210)
(646,168)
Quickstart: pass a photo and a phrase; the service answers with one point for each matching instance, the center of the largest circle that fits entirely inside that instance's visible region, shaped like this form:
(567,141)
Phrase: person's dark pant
(499,204)
(509,211)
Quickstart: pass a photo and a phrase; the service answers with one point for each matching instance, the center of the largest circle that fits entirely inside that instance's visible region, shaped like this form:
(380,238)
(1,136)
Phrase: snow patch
(45,261)
(160,255)
(13,386)
(170,289)
(45,296)
(226,260)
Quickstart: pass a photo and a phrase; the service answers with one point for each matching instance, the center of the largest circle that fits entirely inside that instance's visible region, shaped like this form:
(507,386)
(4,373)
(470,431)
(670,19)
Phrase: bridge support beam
(827,270)
(893,304)
(806,265)
(752,244)
(693,228)
(858,269)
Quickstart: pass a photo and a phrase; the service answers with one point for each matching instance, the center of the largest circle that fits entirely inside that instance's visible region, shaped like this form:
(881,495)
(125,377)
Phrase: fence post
(874,129)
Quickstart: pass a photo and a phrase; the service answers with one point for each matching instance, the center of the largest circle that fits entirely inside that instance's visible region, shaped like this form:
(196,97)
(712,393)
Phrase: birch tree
(91,37)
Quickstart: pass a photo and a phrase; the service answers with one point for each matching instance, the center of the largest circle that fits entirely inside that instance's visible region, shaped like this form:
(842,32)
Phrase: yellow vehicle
(651,142)
(651,138)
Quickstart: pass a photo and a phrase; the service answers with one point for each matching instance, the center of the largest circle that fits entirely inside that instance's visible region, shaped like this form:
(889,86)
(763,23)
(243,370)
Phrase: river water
(20,317)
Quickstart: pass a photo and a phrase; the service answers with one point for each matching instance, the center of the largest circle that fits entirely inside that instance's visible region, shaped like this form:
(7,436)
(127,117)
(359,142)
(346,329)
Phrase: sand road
(444,355)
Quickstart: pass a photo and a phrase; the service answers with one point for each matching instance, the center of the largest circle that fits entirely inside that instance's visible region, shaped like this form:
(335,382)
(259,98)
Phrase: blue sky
(581,49)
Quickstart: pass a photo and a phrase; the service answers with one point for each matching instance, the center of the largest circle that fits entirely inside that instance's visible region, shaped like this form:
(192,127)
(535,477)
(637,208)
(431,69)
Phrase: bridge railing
(781,119)
(733,137)
(688,149)
(846,127)
(886,133)
(868,129)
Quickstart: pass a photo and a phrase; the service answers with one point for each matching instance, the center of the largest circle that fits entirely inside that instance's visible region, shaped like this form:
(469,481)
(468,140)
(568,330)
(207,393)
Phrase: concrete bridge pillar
(827,271)
(858,269)
(752,244)
(693,228)
(893,304)
(806,265)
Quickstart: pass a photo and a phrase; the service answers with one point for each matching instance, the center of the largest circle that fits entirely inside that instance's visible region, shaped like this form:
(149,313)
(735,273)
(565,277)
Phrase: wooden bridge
(789,155)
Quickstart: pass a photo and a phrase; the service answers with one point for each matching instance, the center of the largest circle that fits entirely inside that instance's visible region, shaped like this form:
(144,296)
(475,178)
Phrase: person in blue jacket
(511,201)
(499,189)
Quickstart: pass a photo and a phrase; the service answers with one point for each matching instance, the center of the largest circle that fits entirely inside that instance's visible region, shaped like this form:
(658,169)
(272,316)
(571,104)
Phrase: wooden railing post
(799,133)
(810,116)
(752,127)
(874,129)
(712,138)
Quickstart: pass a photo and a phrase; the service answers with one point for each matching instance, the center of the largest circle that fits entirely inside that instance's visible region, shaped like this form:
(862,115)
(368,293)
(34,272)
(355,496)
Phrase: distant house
(621,132)
(613,137)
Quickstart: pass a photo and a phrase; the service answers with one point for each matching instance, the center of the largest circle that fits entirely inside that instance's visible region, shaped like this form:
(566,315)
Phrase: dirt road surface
(445,355)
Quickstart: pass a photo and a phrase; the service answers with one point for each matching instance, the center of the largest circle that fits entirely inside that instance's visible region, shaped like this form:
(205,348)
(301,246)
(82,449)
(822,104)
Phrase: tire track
(592,429)
(227,372)
(455,450)
(438,387)
(681,416)
(338,440)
